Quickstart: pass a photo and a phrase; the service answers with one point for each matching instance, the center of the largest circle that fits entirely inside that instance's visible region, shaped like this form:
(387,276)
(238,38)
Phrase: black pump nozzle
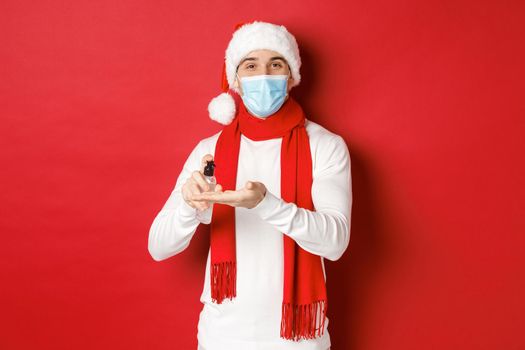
(208,169)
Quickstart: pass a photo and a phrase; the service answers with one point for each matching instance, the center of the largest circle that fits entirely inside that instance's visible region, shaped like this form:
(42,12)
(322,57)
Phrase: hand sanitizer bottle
(204,216)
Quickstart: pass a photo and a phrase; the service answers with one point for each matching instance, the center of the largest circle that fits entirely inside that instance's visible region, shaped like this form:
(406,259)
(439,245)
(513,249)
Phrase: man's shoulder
(327,147)
(208,143)
(318,134)
(212,138)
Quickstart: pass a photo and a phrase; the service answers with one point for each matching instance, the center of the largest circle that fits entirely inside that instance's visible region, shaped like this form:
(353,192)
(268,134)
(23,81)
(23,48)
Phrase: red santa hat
(247,37)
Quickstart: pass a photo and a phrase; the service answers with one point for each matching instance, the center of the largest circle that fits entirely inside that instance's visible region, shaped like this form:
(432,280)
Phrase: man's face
(262,62)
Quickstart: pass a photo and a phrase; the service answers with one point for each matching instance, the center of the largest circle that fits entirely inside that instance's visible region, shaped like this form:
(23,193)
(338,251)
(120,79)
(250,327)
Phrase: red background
(102,101)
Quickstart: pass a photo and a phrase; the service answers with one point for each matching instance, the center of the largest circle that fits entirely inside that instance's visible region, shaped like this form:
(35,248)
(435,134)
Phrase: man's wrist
(262,198)
(267,205)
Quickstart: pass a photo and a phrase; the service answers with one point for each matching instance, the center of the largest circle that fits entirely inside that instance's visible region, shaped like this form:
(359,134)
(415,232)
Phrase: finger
(205,160)
(196,190)
(199,178)
(186,197)
(252,185)
(218,188)
(227,197)
(200,205)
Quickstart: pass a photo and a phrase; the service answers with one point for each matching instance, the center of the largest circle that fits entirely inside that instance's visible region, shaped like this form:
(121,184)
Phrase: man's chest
(260,161)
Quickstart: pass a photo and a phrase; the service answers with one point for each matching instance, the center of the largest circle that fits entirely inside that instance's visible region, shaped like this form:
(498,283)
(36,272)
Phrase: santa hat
(247,37)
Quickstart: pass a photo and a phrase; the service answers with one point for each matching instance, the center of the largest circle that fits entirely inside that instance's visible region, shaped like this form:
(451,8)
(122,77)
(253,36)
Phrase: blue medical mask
(264,94)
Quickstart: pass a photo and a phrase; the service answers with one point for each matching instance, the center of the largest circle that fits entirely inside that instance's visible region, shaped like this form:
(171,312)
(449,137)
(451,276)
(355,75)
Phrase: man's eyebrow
(248,59)
(256,58)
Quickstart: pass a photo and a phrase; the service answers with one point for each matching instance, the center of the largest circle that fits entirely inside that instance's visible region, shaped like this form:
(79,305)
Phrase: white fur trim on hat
(222,108)
(257,36)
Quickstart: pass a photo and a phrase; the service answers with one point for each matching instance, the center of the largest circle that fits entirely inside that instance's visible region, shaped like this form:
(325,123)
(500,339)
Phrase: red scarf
(305,302)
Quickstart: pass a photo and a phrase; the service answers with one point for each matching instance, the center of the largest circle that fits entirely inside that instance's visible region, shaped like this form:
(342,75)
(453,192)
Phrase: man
(282,204)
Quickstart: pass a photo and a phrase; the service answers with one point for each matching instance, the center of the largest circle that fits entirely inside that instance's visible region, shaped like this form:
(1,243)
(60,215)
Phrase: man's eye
(250,66)
(277,65)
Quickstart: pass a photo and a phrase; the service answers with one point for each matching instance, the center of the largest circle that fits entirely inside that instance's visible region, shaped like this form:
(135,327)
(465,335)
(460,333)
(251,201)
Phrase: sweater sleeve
(176,223)
(325,231)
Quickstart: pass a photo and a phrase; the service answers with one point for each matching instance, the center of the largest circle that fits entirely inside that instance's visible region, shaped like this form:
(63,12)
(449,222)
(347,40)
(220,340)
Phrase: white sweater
(252,320)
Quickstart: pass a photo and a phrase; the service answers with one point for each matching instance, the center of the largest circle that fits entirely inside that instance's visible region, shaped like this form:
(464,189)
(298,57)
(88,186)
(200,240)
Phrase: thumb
(218,188)
(250,185)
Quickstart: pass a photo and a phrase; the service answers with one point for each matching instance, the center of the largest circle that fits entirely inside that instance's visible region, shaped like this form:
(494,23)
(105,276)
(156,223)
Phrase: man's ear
(290,78)
(290,83)
(236,84)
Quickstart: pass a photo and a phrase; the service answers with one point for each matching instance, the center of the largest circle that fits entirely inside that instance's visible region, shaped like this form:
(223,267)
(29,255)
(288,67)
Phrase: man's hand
(197,184)
(247,197)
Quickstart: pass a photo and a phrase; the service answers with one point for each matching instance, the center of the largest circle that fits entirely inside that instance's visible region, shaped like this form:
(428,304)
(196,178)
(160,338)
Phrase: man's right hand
(196,183)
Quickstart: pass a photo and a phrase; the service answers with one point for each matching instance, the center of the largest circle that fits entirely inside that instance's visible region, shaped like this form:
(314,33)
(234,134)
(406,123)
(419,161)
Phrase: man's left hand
(247,197)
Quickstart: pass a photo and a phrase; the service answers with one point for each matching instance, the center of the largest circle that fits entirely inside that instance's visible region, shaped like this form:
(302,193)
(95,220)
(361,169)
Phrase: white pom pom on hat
(222,108)
(247,37)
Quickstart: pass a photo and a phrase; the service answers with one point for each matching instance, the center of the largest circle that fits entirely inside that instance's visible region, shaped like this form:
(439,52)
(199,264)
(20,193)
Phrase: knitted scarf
(304,302)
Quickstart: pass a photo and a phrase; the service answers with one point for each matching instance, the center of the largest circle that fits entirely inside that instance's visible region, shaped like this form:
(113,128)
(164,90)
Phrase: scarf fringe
(223,281)
(300,321)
